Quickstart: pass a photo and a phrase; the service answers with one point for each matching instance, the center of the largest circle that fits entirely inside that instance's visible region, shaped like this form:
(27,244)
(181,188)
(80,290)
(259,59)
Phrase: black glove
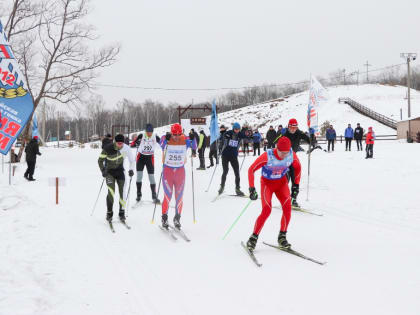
(252,193)
(168,137)
(295,191)
(131,173)
(39,153)
(104,173)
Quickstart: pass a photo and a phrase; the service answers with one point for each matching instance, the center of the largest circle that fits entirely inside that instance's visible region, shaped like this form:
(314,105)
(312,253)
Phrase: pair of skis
(171,231)
(144,202)
(111,225)
(284,249)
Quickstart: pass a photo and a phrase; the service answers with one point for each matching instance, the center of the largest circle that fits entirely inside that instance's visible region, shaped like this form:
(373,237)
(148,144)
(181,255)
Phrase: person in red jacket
(275,164)
(370,140)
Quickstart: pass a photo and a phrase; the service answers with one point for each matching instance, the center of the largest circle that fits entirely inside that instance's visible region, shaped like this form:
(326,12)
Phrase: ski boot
(239,192)
(200,168)
(26,176)
(294,203)
(211,165)
(283,241)
(154,196)
(138,192)
(109,216)
(177,224)
(121,214)
(221,189)
(252,242)
(30,178)
(294,194)
(165,224)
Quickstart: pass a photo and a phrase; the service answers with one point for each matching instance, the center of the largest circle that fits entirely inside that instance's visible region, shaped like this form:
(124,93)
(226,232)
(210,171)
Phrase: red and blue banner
(16,103)
(317,93)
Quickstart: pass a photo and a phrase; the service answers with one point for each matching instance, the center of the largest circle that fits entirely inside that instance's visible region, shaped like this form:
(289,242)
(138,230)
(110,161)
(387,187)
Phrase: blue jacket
(331,134)
(348,133)
(256,137)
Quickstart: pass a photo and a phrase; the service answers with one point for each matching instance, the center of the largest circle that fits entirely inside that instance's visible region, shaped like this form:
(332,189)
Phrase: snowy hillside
(386,100)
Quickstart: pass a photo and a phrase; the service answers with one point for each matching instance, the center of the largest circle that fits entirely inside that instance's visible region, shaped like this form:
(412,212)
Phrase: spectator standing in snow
(331,136)
(358,136)
(348,135)
(31,150)
(370,140)
(256,139)
(271,137)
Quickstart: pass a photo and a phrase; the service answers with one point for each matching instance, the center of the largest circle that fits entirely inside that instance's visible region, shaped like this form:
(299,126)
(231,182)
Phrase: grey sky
(211,44)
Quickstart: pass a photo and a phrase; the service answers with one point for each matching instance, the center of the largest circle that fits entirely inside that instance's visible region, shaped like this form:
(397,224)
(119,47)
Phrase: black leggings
(359,144)
(348,143)
(330,142)
(235,165)
(256,147)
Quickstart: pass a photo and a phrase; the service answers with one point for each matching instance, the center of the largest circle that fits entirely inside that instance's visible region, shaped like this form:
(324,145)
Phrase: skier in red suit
(275,164)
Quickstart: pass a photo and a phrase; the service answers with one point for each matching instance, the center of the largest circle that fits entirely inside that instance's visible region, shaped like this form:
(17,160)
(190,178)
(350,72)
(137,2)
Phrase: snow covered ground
(57,259)
(386,100)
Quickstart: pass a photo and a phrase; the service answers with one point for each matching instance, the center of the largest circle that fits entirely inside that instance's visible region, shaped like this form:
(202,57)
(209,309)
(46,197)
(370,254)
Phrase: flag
(214,124)
(317,94)
(16,103)
(6,52)
(34,126)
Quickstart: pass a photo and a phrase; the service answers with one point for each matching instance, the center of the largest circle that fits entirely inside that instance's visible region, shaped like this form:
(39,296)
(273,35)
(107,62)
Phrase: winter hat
(284,144)
(370,129)
(293,122)
(108,135)
(222,126)
(236,126)
(149,128)
(119,138)
(176,129)
(36,137)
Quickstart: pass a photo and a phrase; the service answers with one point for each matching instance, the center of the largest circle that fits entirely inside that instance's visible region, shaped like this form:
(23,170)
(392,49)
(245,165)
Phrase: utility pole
(58,130)
(367,70)
(408,57)
(43,122)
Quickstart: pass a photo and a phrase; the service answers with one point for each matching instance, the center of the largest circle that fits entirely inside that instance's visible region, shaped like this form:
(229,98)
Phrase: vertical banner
(16,104)
(34,126)
(214,124)
(317,93)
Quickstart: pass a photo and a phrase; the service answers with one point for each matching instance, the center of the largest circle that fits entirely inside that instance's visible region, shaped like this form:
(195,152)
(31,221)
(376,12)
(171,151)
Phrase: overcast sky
(214,43)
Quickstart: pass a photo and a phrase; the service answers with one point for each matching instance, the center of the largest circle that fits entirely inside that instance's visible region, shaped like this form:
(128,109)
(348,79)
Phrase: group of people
(280,165)
(351,134)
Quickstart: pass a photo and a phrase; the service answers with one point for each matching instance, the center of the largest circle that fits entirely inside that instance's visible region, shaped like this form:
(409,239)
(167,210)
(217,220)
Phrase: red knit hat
(176,129)
(284,144)
(36,137)
(370,128)
(293,122)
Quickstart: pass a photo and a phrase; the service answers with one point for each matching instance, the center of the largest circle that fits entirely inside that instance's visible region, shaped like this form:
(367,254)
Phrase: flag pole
(310,141)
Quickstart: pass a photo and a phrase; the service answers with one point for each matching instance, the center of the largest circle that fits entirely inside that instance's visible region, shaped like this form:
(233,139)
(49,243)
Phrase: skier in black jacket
(31,150)
(295,136)
(231,140)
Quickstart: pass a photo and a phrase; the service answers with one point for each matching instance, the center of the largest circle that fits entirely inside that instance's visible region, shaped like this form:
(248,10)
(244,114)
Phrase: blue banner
(34,126)
(214,124)
(16,104)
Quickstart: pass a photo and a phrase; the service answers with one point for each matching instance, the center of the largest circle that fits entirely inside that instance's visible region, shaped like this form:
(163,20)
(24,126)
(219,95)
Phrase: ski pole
(309,173)
(212,177)
(160,181)
(192,179)
(237,219)
(242,162)
(100,189)
(127,199)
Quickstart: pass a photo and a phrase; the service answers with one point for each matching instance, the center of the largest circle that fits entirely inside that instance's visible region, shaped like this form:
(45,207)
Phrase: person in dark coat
(213,153)
(358,136)
(331,136)
(271,137)
(31,150)
(256,139)
(279,132)
(106,140)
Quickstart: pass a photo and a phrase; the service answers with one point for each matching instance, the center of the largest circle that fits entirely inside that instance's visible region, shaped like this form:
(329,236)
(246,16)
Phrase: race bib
(233,143)
(147,146)
(175,155)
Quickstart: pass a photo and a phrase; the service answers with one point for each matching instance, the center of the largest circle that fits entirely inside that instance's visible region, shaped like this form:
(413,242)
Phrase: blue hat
(236,126)
(149,128)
